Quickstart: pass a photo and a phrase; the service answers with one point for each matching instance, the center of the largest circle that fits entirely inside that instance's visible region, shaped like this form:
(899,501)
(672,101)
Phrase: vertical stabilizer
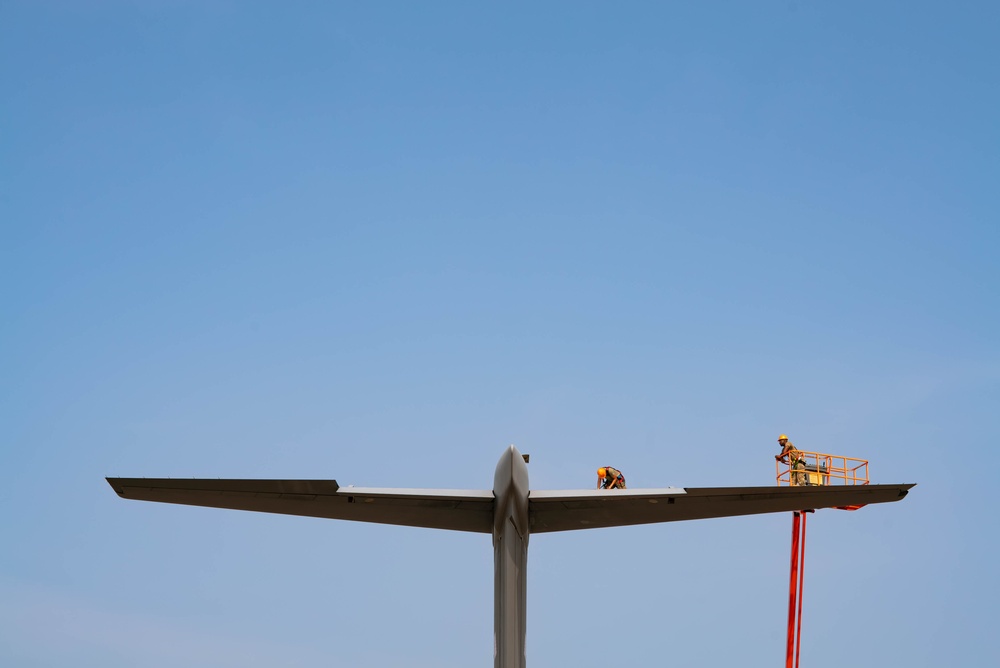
(510,557)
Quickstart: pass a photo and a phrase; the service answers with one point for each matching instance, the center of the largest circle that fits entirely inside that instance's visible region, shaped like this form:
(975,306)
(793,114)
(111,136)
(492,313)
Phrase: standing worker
(610,478)
(793,457)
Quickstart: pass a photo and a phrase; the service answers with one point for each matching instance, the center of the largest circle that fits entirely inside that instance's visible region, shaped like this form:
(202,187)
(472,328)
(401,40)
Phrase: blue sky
(379,242)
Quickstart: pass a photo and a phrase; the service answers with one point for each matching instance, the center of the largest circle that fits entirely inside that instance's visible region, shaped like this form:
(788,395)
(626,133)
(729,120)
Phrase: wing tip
(279,486)
(116,485)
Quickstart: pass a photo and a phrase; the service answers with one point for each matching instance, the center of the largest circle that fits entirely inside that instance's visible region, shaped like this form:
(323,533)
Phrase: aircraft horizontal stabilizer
(458,510)
(472,510)
(594,509)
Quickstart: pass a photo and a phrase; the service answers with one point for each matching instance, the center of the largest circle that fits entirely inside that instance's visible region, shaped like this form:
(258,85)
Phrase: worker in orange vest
(610,478)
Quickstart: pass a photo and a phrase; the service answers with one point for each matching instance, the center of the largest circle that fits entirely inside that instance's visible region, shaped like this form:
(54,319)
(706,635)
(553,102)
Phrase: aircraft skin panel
(457,510)
(593,509)
(584,494)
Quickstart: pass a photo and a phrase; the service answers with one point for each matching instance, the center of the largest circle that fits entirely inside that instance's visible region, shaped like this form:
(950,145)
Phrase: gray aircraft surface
(511,512)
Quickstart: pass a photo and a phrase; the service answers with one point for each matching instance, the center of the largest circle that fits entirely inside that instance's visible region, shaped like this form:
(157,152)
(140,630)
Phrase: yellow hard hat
(782,437)
(602,472)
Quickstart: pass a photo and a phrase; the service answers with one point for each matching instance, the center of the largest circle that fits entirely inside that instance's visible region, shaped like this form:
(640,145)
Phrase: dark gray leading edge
(510,512)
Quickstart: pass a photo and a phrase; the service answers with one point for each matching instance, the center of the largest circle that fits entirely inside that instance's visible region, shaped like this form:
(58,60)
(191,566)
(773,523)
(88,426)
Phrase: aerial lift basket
(821,468)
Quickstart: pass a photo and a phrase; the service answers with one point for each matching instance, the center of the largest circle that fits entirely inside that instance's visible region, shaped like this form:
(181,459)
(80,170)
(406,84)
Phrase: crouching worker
(610,478)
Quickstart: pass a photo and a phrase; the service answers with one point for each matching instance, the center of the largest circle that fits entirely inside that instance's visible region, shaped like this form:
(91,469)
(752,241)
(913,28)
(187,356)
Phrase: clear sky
(379,242)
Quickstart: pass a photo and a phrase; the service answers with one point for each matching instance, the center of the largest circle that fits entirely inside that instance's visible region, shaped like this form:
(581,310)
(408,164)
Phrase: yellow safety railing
(819,468)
